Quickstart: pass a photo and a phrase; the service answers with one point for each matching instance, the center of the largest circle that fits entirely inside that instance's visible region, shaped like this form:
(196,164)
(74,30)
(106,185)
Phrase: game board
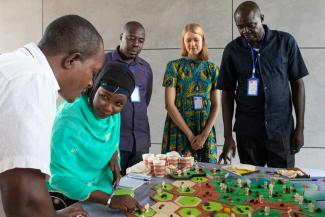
(218,195)
(192,172)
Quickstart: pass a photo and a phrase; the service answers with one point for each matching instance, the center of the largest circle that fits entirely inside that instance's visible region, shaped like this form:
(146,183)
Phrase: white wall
(23,21)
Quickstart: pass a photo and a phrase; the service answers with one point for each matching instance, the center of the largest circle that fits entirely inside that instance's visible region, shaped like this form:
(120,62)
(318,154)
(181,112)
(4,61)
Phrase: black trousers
(129,158)
(259,150)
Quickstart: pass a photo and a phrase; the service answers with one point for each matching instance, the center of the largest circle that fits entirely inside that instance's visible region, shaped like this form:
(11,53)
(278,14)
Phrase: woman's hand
(113,164)
(125,203)
(73,211)
(190,136)
(198,141)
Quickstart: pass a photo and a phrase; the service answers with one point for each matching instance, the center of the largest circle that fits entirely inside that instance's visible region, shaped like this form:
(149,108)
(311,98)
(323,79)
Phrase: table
(143,192)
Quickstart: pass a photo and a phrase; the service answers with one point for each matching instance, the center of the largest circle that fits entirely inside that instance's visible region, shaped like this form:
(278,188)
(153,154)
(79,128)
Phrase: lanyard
(254,61)
(196,74)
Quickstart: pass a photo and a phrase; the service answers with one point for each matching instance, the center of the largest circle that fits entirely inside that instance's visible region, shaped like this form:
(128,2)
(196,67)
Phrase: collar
(189,60)
(38,55)
(116,56)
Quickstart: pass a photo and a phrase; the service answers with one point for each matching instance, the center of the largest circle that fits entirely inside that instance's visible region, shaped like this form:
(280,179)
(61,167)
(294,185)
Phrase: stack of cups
(151,159)
(185,162)
(145,158)
(159,168)
(173,161)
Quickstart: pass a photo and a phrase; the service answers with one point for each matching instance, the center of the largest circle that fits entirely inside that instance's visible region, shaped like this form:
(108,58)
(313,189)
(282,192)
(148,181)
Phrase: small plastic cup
(185,162)
(145,158)
(151,159)
(173,160)
(159,167)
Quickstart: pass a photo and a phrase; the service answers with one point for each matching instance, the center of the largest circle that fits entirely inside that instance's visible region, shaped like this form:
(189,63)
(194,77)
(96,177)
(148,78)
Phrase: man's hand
(229,146)
(124,203)
(113,164)
(297,141)
(198,142)
(73,211)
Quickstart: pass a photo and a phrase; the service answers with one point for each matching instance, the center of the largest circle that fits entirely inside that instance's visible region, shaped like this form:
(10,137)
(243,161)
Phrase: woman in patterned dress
(192,99)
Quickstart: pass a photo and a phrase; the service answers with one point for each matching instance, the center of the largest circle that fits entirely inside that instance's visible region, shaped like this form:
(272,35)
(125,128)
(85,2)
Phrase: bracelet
(109,200)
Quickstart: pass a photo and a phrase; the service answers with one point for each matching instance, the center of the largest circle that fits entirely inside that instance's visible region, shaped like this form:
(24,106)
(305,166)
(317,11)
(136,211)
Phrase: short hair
(69,34)
(250,5)
(132,24)
(196,29)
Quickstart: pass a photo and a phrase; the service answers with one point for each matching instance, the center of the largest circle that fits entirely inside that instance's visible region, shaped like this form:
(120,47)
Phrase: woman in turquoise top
(192,99)
(85,137)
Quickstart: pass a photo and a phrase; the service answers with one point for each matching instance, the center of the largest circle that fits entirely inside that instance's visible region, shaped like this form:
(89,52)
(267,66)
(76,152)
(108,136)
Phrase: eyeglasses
(133,39)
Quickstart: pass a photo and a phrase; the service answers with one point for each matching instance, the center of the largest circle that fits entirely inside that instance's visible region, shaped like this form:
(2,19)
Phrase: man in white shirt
(69,54)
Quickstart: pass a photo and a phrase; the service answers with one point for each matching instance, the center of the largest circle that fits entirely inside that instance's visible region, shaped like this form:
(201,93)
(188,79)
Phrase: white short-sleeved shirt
(28,94)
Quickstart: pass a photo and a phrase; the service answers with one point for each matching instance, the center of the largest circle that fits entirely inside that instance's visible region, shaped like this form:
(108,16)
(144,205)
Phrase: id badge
(252,87)
(135,96)
(198,102)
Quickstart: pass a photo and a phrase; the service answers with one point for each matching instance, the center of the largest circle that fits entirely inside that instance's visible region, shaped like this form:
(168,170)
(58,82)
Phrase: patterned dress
(191,78)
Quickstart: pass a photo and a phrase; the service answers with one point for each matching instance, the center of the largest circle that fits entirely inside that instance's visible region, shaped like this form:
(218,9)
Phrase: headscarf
(114,77)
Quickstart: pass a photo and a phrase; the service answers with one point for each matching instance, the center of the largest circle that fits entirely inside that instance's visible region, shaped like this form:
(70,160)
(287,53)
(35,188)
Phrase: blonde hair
(196,29)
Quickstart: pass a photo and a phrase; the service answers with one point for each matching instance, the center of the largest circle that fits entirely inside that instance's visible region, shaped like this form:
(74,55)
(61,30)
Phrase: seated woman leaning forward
(85,141)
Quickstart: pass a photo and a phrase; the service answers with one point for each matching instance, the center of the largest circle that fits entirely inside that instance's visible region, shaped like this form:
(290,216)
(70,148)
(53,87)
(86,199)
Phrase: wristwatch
(109,200)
